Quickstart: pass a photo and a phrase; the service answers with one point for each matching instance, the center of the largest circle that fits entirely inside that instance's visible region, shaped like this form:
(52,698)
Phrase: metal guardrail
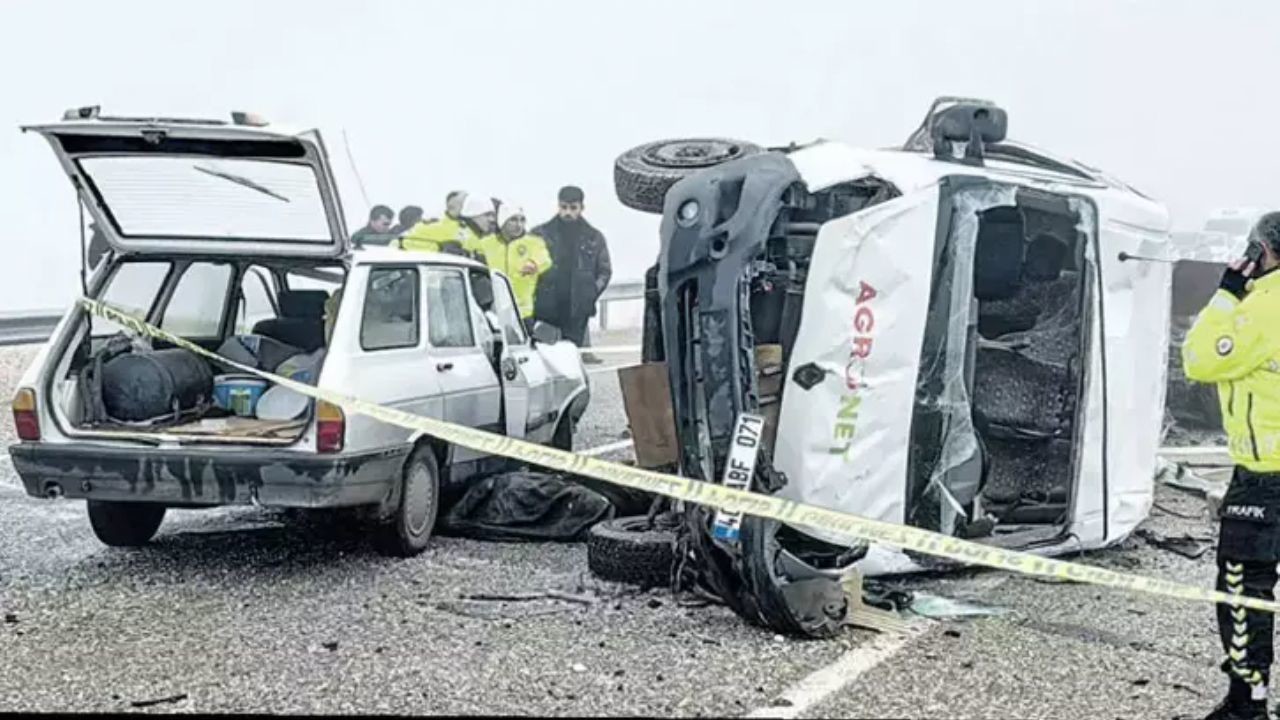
(628,290)
(27,328)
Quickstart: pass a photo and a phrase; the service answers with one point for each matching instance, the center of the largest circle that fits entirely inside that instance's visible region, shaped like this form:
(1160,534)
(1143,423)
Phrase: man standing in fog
(580,268)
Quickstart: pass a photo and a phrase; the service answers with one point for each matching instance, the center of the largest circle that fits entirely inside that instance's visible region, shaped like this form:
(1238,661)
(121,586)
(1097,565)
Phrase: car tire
(125,524)
(562,439)
(407,532)
(629,550)
(642,175)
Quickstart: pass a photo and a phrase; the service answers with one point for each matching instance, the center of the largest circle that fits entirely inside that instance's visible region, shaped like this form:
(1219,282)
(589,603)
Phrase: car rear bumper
(192,477)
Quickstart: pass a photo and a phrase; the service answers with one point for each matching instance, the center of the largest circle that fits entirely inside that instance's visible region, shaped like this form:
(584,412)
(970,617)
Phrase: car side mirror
(545,333)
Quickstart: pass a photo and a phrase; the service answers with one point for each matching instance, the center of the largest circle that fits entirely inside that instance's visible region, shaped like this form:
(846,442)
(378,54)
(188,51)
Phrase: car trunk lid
(202,188)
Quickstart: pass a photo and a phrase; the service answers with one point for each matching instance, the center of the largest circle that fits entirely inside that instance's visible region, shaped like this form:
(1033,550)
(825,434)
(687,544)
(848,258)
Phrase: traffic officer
(521,256)
(459,230)
(1235,343)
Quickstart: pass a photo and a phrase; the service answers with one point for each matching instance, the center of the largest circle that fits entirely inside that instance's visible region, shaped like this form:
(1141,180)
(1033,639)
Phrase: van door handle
(444,367)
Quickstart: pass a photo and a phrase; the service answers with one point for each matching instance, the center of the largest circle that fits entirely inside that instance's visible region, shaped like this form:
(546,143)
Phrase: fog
(515,99)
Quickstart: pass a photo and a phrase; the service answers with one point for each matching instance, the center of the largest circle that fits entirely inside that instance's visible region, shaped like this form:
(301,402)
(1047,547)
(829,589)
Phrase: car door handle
(523,359)
(444,367)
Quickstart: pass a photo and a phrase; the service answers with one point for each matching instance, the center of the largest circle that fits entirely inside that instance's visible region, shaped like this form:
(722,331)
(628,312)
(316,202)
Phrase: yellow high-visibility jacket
(510,258)
(431,235)
(1236,345)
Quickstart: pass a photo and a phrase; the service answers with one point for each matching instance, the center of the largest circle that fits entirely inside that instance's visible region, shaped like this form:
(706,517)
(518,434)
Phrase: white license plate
(743,448)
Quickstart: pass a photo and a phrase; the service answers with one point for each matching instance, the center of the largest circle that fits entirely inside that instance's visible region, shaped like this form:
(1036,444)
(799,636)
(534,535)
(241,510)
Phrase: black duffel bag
(141,386)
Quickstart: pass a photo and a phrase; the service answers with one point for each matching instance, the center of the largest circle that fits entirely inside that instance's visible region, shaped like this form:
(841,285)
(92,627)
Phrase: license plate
(738,471)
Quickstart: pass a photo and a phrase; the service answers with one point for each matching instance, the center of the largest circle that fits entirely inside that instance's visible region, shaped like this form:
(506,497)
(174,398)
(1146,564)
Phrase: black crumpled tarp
(528,505)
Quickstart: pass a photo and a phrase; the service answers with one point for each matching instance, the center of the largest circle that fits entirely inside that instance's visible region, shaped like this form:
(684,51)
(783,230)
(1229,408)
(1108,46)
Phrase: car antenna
(359,180)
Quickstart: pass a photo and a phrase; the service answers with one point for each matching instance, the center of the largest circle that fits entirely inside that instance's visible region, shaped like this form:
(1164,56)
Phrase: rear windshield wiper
(243,181)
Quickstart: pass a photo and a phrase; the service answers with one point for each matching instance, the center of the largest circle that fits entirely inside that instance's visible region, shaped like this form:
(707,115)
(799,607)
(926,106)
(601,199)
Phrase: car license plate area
(738,471)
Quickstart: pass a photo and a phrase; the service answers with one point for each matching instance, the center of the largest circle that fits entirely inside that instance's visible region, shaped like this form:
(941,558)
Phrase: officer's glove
(1234,281)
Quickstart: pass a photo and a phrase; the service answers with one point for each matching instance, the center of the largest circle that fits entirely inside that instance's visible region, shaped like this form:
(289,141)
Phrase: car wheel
(125,524)
(629,550)
(408,530)
(563,437)
(642,175)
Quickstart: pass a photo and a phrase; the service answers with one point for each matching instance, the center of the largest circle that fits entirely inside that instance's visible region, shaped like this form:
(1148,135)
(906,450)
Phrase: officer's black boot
(1239,704)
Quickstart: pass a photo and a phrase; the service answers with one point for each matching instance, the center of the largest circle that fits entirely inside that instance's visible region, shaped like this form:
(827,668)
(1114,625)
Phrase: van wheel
(642,175)
(563,437)
(406,533)
(125,524)
(632,550)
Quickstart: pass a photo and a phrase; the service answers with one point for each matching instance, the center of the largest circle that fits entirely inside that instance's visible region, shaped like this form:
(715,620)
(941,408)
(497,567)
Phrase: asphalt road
(237,611)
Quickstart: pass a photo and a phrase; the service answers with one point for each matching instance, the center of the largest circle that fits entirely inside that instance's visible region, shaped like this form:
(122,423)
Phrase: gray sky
(515,99)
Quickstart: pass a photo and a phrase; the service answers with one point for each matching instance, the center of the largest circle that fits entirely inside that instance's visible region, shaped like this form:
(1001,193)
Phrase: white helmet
(476,205)
(506,211)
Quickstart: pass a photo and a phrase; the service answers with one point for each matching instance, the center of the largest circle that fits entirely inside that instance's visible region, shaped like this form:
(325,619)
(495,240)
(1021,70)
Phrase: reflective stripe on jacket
(510,258)
(1235,344)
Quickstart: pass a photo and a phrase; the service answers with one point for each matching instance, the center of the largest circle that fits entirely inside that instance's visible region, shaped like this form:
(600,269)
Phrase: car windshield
(217,199)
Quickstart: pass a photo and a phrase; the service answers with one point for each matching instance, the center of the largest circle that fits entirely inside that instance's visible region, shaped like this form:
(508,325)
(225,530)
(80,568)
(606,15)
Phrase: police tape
(712,495)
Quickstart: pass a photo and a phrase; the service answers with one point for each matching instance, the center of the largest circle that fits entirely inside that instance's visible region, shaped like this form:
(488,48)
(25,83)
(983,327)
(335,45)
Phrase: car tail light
(25,419)
(331,427)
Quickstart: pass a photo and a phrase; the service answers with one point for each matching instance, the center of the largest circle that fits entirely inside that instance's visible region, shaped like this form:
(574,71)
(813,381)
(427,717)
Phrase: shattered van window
(219,199)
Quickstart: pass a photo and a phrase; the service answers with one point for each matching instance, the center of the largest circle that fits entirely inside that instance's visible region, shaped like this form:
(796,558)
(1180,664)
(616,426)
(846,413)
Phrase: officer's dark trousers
(1248,550)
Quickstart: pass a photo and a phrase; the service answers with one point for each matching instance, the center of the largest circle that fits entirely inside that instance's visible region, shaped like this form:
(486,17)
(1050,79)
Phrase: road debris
(159,701)
(1188,546)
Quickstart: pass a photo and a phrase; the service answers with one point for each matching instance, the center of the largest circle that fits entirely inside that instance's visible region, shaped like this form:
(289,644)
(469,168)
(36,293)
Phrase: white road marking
(812,690)
(825,682)
(606,449)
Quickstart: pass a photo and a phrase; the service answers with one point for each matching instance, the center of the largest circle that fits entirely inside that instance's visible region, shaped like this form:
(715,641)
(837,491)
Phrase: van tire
(642,175)
(408,530)
(629,550)
(125,524)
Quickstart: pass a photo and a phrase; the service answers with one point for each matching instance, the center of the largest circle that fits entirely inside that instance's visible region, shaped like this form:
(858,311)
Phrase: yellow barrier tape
(718,496)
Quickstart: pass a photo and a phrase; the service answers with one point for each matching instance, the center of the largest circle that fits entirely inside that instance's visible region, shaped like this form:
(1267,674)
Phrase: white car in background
(231,235)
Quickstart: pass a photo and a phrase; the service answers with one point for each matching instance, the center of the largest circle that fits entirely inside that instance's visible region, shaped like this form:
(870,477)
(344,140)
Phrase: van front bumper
(201,478)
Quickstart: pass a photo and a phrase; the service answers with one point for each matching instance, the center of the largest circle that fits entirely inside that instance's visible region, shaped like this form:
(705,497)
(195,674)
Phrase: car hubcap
(417,500)
(691,153)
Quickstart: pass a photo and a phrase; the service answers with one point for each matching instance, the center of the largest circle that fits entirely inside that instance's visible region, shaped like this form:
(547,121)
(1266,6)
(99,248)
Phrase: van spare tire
(642,175)
(631,550)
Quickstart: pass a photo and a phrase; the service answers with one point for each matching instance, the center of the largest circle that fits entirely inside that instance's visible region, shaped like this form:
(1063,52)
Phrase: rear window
(210,198)
(390,310)
(199,301)
(133,288)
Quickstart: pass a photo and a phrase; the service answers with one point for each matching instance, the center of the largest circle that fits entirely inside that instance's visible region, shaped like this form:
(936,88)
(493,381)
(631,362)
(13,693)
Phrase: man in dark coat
(580,268)
(378,230)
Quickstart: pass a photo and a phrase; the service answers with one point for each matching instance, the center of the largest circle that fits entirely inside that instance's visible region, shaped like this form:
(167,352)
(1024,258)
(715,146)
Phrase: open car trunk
(267,314)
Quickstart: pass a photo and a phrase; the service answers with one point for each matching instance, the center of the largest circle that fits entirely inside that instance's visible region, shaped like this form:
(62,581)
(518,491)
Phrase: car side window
(256,301)
(390,318)
(504,304)
(133,288)
(448,310)
(199,300)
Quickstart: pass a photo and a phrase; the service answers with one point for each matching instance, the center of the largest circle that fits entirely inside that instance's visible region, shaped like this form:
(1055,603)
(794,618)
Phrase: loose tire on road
(408,530)
(642,175)
(628,550)
(125,524)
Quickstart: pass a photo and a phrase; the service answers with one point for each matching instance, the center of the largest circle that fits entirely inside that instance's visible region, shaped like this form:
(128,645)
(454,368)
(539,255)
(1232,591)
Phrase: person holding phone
(1235,344)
